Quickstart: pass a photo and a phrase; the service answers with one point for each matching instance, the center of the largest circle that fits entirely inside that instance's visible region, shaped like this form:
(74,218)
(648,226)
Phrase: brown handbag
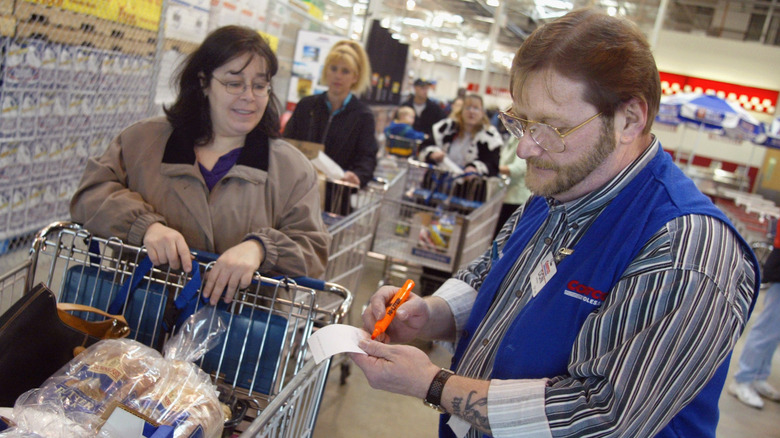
(37,339)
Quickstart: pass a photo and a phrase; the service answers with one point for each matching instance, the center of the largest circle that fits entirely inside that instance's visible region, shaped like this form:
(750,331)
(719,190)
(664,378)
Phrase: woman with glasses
(467,138)
(212,175)
(337,118)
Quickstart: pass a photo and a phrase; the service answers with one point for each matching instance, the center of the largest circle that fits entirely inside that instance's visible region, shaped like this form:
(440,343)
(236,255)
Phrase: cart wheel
(344,373)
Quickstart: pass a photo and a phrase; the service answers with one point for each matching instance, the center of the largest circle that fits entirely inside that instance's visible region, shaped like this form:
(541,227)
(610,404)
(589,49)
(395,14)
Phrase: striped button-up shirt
(672,318)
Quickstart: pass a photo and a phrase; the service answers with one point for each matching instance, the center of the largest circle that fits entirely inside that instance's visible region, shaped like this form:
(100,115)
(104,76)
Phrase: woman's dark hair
(191,109)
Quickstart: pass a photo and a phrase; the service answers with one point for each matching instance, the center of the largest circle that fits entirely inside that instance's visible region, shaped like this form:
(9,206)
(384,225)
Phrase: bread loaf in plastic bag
(169,389)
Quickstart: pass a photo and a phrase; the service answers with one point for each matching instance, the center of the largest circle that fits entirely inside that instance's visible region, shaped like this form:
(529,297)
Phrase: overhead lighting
(492,3)
(414,36)
(385,22)
(555,4)
(410,4)
(342,23)
(416,22)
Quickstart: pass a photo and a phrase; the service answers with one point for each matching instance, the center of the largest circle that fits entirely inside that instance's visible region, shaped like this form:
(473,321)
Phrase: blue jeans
(755,363)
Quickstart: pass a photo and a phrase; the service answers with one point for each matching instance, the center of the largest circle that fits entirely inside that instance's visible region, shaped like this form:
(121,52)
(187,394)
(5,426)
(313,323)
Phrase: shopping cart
(401,146)
(440,220)
(268,323)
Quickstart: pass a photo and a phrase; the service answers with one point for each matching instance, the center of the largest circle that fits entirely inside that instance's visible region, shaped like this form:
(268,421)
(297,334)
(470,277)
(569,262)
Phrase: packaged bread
(166,390)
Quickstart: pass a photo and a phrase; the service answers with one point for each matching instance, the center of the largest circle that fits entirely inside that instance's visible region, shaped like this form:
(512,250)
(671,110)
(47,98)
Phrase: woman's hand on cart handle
(233,270)
(410,318)
(164,245)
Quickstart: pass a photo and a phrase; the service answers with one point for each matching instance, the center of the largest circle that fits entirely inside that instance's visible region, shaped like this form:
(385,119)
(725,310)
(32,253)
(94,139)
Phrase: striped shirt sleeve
(666,326)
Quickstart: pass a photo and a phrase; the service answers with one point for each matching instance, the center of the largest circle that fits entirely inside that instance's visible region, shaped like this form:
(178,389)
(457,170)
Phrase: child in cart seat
(212,175)
(402,125)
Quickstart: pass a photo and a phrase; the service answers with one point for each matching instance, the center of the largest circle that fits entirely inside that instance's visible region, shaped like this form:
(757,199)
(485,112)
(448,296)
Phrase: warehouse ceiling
(457,31)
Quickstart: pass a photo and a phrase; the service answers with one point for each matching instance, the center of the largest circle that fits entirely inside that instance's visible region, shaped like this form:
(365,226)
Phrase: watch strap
(433,398)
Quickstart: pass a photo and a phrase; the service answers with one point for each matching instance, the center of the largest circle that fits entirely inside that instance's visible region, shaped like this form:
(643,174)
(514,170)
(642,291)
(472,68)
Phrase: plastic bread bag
(77,400)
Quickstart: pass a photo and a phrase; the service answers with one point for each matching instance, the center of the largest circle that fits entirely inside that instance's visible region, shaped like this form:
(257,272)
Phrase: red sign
(750,98)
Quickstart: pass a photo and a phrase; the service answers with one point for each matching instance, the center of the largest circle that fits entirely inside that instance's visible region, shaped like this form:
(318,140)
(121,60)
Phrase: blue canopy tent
(769,134)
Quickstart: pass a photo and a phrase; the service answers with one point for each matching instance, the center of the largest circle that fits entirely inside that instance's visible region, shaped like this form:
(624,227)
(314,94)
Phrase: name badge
(543,273)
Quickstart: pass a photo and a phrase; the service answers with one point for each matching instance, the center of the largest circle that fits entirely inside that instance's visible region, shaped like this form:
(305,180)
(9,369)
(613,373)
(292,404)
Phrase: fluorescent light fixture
(416,22)
(492,3)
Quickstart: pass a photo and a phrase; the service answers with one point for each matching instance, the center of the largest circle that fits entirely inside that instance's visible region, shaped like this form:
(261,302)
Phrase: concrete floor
(357,410)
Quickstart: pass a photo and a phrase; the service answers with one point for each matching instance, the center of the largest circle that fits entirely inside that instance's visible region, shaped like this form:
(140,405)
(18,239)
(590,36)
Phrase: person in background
(337,118)
(453,105)
(610,303)
(516,193)
(427,111)
(467,138)
(755,362)
(212,175)
(402,125)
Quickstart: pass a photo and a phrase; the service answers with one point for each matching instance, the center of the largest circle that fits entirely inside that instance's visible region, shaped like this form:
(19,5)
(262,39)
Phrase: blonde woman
(337,118)
(467,138)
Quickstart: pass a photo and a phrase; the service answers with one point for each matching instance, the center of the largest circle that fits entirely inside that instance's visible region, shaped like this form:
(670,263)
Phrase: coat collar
(180,150)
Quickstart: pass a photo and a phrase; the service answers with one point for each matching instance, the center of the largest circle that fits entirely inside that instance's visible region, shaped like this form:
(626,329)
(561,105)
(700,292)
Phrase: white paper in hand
(327,166)
(336,338)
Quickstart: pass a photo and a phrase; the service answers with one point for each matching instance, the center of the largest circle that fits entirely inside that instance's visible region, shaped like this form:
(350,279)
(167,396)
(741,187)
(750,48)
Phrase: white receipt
(336,338)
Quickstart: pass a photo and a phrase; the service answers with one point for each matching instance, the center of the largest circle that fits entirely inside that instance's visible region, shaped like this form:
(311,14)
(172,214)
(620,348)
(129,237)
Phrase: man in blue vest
(611,301)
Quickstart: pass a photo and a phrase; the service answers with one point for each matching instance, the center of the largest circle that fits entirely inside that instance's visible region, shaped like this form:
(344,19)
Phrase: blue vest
(539,341)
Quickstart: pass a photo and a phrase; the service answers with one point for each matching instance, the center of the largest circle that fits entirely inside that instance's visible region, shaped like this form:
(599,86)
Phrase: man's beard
(569,175)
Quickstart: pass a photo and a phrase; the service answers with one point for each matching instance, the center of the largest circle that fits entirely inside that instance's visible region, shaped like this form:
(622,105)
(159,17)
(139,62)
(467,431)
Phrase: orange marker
(399,298)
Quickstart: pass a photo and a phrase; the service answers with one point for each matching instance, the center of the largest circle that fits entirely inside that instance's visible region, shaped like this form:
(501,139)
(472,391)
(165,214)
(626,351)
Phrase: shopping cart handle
(311,283)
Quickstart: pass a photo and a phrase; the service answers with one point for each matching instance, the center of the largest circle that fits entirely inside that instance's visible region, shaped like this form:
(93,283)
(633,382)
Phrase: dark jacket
(430,115)
(350,138)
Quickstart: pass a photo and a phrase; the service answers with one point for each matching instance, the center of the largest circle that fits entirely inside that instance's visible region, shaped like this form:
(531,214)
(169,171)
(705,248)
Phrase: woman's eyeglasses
(238,88)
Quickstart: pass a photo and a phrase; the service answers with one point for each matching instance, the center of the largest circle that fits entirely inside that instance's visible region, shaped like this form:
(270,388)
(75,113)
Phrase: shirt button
(518,293)
(547,240)
(575,226)
(485,342)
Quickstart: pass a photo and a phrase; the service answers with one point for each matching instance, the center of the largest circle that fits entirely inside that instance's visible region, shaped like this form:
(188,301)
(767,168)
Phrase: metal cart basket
(268,323)
(437,221)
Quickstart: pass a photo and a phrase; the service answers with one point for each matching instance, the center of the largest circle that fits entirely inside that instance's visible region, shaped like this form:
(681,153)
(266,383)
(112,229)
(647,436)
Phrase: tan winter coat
(149,174)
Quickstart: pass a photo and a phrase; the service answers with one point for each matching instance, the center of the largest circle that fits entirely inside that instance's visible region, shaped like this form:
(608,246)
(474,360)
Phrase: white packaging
(49,54)
(186,22)
(54,164)
(39,153)
(223,13)
(36,213)
(65,67)
(28,112)
(22,65)
(18,214)
(9,118)
(5,210)
(109,76)
(52,108)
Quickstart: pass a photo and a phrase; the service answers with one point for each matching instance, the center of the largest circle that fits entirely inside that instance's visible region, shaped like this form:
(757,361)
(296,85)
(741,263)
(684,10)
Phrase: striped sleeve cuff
(516,408)
(460,297)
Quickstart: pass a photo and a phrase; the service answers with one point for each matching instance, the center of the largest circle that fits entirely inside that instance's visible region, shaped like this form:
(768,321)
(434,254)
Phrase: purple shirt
(221,168)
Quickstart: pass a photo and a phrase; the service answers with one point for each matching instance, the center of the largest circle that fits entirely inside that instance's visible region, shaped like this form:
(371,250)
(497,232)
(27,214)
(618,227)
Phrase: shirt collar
(343,105)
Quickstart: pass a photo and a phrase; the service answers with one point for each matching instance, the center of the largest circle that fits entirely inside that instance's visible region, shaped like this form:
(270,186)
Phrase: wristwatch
(433,398)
